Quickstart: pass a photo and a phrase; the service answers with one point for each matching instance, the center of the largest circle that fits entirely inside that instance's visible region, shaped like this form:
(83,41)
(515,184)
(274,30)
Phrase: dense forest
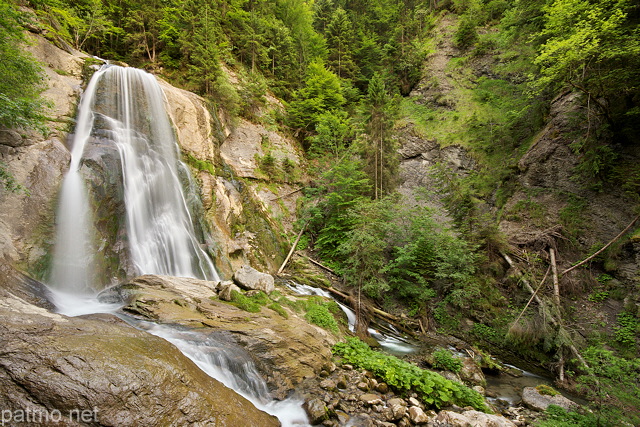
(345,71)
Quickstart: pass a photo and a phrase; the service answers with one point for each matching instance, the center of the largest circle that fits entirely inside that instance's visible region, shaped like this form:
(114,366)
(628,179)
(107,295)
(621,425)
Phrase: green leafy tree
(341,42)
(21,83)
(340,189)
(320,94)
(594,47)
(21,78)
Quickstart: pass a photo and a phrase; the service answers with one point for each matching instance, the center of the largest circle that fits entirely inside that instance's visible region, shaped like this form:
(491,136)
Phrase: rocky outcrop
(107,373)
(285,350)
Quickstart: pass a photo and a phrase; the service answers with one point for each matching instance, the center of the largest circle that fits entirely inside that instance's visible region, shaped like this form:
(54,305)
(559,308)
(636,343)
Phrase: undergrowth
(433,389)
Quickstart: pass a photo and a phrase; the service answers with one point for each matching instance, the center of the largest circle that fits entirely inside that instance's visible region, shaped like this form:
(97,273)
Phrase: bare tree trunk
(556,284)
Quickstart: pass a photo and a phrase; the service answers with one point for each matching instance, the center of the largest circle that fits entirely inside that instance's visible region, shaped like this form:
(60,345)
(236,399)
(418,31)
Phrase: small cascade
(233,367)
(391,340)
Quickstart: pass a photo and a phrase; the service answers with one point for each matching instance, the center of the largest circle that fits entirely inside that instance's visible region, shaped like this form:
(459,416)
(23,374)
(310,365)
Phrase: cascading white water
(391,341)
(73,258)
(160,234)
(160,229)
(232,367)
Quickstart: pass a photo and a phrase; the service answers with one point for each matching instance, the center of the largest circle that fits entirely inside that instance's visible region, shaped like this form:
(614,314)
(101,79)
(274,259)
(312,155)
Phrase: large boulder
(107,373)
(533,399)
(286,351)
(249,278)
(472,418)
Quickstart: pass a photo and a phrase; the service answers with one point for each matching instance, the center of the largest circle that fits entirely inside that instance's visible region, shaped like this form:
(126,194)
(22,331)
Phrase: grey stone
(249,278)
(226,289)
(540,402)
(417,415)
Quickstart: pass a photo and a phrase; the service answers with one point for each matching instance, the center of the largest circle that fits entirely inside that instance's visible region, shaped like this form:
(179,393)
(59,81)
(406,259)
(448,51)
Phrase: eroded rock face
(285,350)
(116,374)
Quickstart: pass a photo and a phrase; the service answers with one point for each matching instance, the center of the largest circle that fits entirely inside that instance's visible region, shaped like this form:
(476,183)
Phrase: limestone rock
(472,418)
(286,351)
(471,373)
(371,399)
(49,362)
(539,402)
(249,278)
(417,415)
(226,289)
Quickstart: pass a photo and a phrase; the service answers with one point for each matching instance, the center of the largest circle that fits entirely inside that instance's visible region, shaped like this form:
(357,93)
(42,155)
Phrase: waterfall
(125,108)
(161,239)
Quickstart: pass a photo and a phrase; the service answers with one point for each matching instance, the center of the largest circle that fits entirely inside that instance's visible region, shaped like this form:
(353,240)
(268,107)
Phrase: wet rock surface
(286,351)
(112,373)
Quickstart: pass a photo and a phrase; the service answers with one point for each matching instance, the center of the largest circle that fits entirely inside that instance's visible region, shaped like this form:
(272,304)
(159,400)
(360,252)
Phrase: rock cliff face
(38,163)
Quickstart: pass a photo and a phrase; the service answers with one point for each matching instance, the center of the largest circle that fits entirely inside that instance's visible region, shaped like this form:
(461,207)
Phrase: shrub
(445,360)
(320,315)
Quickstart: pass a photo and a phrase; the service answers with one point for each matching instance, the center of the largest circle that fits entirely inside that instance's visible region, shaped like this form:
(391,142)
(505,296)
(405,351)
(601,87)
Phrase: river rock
(472,418)
(249,278)
(316,410)
(371,399)
(532,398)
(417,415)
(112,372)
(471,373)
(226,289)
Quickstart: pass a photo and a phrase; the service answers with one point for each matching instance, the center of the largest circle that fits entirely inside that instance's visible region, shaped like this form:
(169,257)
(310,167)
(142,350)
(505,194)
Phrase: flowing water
(387,336)
(126,106)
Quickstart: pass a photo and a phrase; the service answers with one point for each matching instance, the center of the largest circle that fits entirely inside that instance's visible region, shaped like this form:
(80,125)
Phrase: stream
(505,387)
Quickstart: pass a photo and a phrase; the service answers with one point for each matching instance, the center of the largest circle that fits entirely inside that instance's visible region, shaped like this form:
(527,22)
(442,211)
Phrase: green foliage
(321,93)
(341,188)
(627,329)
(244,302)
(466,34)
(443,359)
(201,165)
(555,416)
(319,314)
(432,389)
(21,78)
(612,385)
(485,333)
(278,309)
(362,249)
(547,390)
(593,46)
(598,296)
